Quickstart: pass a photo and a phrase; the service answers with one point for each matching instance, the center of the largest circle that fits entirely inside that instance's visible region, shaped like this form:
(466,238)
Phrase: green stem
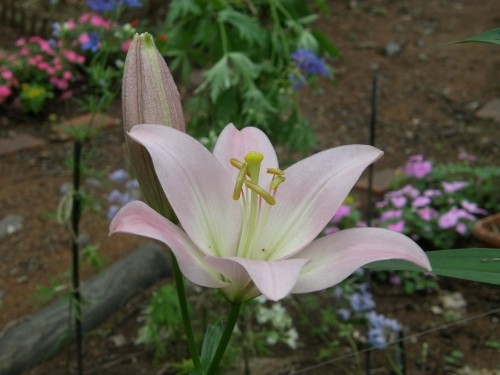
(186,320)
(223,36)
(234,311)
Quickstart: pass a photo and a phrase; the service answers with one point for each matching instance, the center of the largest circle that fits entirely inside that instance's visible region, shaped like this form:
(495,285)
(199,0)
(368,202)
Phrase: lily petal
(274,280)
(313,191)
(138,218)
(335,257)
(197,186)
(234,143)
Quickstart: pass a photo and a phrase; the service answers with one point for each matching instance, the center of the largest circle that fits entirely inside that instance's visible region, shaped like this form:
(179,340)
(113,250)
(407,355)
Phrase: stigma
(248,177)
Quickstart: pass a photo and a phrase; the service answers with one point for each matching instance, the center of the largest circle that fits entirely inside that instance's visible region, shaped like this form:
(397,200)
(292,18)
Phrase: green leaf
(490,37)
(475,264)
(211,342)
(325,44)
(247,27)
(179,9)
(217,78)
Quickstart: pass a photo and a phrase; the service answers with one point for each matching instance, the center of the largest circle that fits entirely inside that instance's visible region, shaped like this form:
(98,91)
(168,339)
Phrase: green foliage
(58,284)
(244,50)
(33,97)
(211,342)
(481,265)
(455,358)
(91,255)
(483,182)
(162,320)
(490,37)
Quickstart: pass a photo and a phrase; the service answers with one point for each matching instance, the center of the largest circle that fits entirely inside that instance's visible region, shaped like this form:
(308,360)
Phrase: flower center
(255,213)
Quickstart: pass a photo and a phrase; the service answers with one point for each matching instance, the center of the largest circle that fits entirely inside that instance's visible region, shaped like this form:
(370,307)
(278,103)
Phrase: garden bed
(427,104)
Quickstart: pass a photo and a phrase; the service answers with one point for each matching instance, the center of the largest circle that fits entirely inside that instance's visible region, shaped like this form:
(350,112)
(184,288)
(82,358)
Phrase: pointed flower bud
(149,96)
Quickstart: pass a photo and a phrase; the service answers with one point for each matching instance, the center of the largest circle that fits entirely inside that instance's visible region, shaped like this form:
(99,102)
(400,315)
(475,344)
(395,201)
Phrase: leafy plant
(162,320)
(437,206)
(245,50)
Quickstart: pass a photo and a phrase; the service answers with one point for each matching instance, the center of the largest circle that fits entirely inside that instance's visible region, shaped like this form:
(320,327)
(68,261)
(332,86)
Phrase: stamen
(277,181)
(260,191)
(275,171)
(236,163)
(240,180)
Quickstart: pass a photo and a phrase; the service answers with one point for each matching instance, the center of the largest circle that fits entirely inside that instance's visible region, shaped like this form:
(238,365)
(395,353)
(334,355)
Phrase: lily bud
(149,96)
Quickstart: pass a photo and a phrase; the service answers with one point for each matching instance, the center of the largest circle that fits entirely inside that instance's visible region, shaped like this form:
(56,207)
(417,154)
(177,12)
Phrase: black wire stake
(369,210)
(75,221)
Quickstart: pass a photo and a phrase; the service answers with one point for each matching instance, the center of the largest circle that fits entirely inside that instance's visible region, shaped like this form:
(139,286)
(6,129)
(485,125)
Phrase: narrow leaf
(211,342)
(490,37)
(475,264)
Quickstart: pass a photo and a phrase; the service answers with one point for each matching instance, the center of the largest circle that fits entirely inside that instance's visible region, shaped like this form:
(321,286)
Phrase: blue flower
(132,3)
(120,175)
(309,63)
(91,42)
(382,330)
(102,6)
(362,301)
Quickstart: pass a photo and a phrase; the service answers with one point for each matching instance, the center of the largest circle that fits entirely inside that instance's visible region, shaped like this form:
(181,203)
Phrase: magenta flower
(398,226)
(427,214)
(472,208)
(246,230)
(390,214)
(343,211)
(417,167)
(420,202)
(398,202)
(451,187)
(450,219)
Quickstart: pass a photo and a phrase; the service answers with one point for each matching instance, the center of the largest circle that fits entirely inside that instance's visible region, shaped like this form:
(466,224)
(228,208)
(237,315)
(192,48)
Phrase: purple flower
(342,212)
(451,187)
(398,226)
(461,228)
(420,202)
(450,219)
(398,202)
(472,207)
(427,214)
(395,279)
(432,193)
(466,156)
(382,330)
(391,214)
(417,167)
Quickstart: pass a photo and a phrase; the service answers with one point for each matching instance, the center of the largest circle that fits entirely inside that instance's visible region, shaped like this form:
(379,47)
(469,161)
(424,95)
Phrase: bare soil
(427,100)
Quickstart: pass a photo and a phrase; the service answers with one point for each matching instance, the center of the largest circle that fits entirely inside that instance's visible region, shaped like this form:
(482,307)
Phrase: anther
(260,191)
(277,181)
(236,163)
(275,171)
(240,180)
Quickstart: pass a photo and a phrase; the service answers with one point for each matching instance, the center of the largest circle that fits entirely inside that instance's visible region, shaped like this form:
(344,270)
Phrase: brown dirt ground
(426,104)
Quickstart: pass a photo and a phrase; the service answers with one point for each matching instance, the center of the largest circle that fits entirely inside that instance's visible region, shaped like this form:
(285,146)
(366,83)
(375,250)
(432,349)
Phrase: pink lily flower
(249,232)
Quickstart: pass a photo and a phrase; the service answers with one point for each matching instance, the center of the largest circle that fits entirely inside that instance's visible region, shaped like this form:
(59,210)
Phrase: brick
(19,142)
(101,122)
